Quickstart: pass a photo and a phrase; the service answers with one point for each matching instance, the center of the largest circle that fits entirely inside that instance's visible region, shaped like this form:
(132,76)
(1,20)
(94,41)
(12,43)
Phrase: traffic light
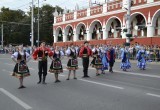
(129,35)
(125,30)
(30,35)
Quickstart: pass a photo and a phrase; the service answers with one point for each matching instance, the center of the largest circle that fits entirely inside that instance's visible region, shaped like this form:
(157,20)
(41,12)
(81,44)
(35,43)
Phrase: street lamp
(38,23)
(32,25)
(2,34)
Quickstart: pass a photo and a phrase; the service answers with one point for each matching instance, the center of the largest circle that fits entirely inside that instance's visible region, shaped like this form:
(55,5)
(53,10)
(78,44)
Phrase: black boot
(40,79)
(44,79)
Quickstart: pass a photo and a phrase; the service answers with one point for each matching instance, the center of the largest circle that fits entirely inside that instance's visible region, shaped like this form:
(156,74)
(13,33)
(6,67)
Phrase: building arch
(113,27)
(95,29)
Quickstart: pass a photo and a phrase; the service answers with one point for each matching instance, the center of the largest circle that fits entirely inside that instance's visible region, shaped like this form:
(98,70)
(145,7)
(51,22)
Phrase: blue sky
(24,4)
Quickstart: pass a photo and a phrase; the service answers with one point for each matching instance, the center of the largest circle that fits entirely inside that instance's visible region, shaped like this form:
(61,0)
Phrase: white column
(142,33)
(55,36)
(64,17)
(149,1)
(105,8)
(150,31)
(75,37)
(123,33)
(88,35)
(105,34)
(135,32)
(88,12)
(64,36)
(115,34)
(159,26)
(75,15)
(55,20)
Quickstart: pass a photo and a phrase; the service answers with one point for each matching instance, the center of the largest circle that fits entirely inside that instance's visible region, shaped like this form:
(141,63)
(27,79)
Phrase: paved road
(132,90)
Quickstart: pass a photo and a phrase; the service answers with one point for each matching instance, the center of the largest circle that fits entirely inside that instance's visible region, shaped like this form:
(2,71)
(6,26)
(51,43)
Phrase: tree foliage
(17,26)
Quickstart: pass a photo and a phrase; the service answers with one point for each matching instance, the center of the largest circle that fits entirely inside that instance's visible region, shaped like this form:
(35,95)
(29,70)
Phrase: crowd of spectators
(153,51)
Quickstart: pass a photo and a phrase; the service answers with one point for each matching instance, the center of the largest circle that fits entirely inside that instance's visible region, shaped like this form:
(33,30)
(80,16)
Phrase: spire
(77,7)
(65,10)
(55,12)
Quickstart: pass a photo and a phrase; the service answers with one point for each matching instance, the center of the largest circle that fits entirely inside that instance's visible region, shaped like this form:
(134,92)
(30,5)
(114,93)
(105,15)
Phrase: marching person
(21,69)
(85,53)
(72,64)
(125,64)
(141,57)
(97,61)
(104,59)
(111,58)
(42,54)
(56,65)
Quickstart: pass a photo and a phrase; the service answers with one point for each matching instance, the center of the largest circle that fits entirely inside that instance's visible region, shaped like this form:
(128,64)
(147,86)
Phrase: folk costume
(105,61)
(85,53)
(42,54)
(97,61)
(125,64)
(111,58)
(21,69)
(72,64)
(56,65)
(141,57)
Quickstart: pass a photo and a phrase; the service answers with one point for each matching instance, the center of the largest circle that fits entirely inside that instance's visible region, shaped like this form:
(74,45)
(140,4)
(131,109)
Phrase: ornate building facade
(104,24)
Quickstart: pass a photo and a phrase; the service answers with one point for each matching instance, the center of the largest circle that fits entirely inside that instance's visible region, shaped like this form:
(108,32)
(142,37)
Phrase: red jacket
(35,53)
(111,58)
(89,51)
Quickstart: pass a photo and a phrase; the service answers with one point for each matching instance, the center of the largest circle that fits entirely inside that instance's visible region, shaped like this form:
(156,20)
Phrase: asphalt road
(132,90)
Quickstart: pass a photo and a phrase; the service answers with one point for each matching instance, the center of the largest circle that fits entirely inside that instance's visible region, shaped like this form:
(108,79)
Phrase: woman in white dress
(21,69)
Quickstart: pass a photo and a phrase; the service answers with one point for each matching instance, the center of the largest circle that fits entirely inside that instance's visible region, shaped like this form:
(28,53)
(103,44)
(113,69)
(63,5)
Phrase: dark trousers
(42,67)
(111,64)
(85,62)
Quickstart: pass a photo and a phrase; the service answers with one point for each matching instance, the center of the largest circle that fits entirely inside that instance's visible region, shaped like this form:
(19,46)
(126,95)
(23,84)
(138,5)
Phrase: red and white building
(103,24)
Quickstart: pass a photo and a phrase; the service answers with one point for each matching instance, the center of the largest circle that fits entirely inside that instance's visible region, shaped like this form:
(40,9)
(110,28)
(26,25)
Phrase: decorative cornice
(110,13)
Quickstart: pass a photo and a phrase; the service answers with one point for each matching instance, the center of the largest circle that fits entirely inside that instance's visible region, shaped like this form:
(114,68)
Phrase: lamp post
(38,24)
(32,25)
(2,34)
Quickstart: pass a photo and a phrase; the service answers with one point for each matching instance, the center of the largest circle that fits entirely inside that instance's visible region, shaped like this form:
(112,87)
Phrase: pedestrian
(85,53)
(42,53)
(56,65)
(21,69)
(111,58)
(72,64)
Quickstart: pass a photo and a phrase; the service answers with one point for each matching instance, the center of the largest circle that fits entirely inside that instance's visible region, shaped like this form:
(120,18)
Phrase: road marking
(138,74)
(4,58)
(154,95)
(31,69)
(102,84)
(10,64)
(17,100)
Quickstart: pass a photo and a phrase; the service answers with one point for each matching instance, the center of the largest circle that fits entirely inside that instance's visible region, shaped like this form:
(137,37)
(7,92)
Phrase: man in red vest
(85,53)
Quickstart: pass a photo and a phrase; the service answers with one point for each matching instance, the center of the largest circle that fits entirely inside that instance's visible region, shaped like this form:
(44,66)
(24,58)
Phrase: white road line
(31,69)
(102,84)
(17,100)
(154,95)
(7,71)
(138,74)
(130,73)
(10,64)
